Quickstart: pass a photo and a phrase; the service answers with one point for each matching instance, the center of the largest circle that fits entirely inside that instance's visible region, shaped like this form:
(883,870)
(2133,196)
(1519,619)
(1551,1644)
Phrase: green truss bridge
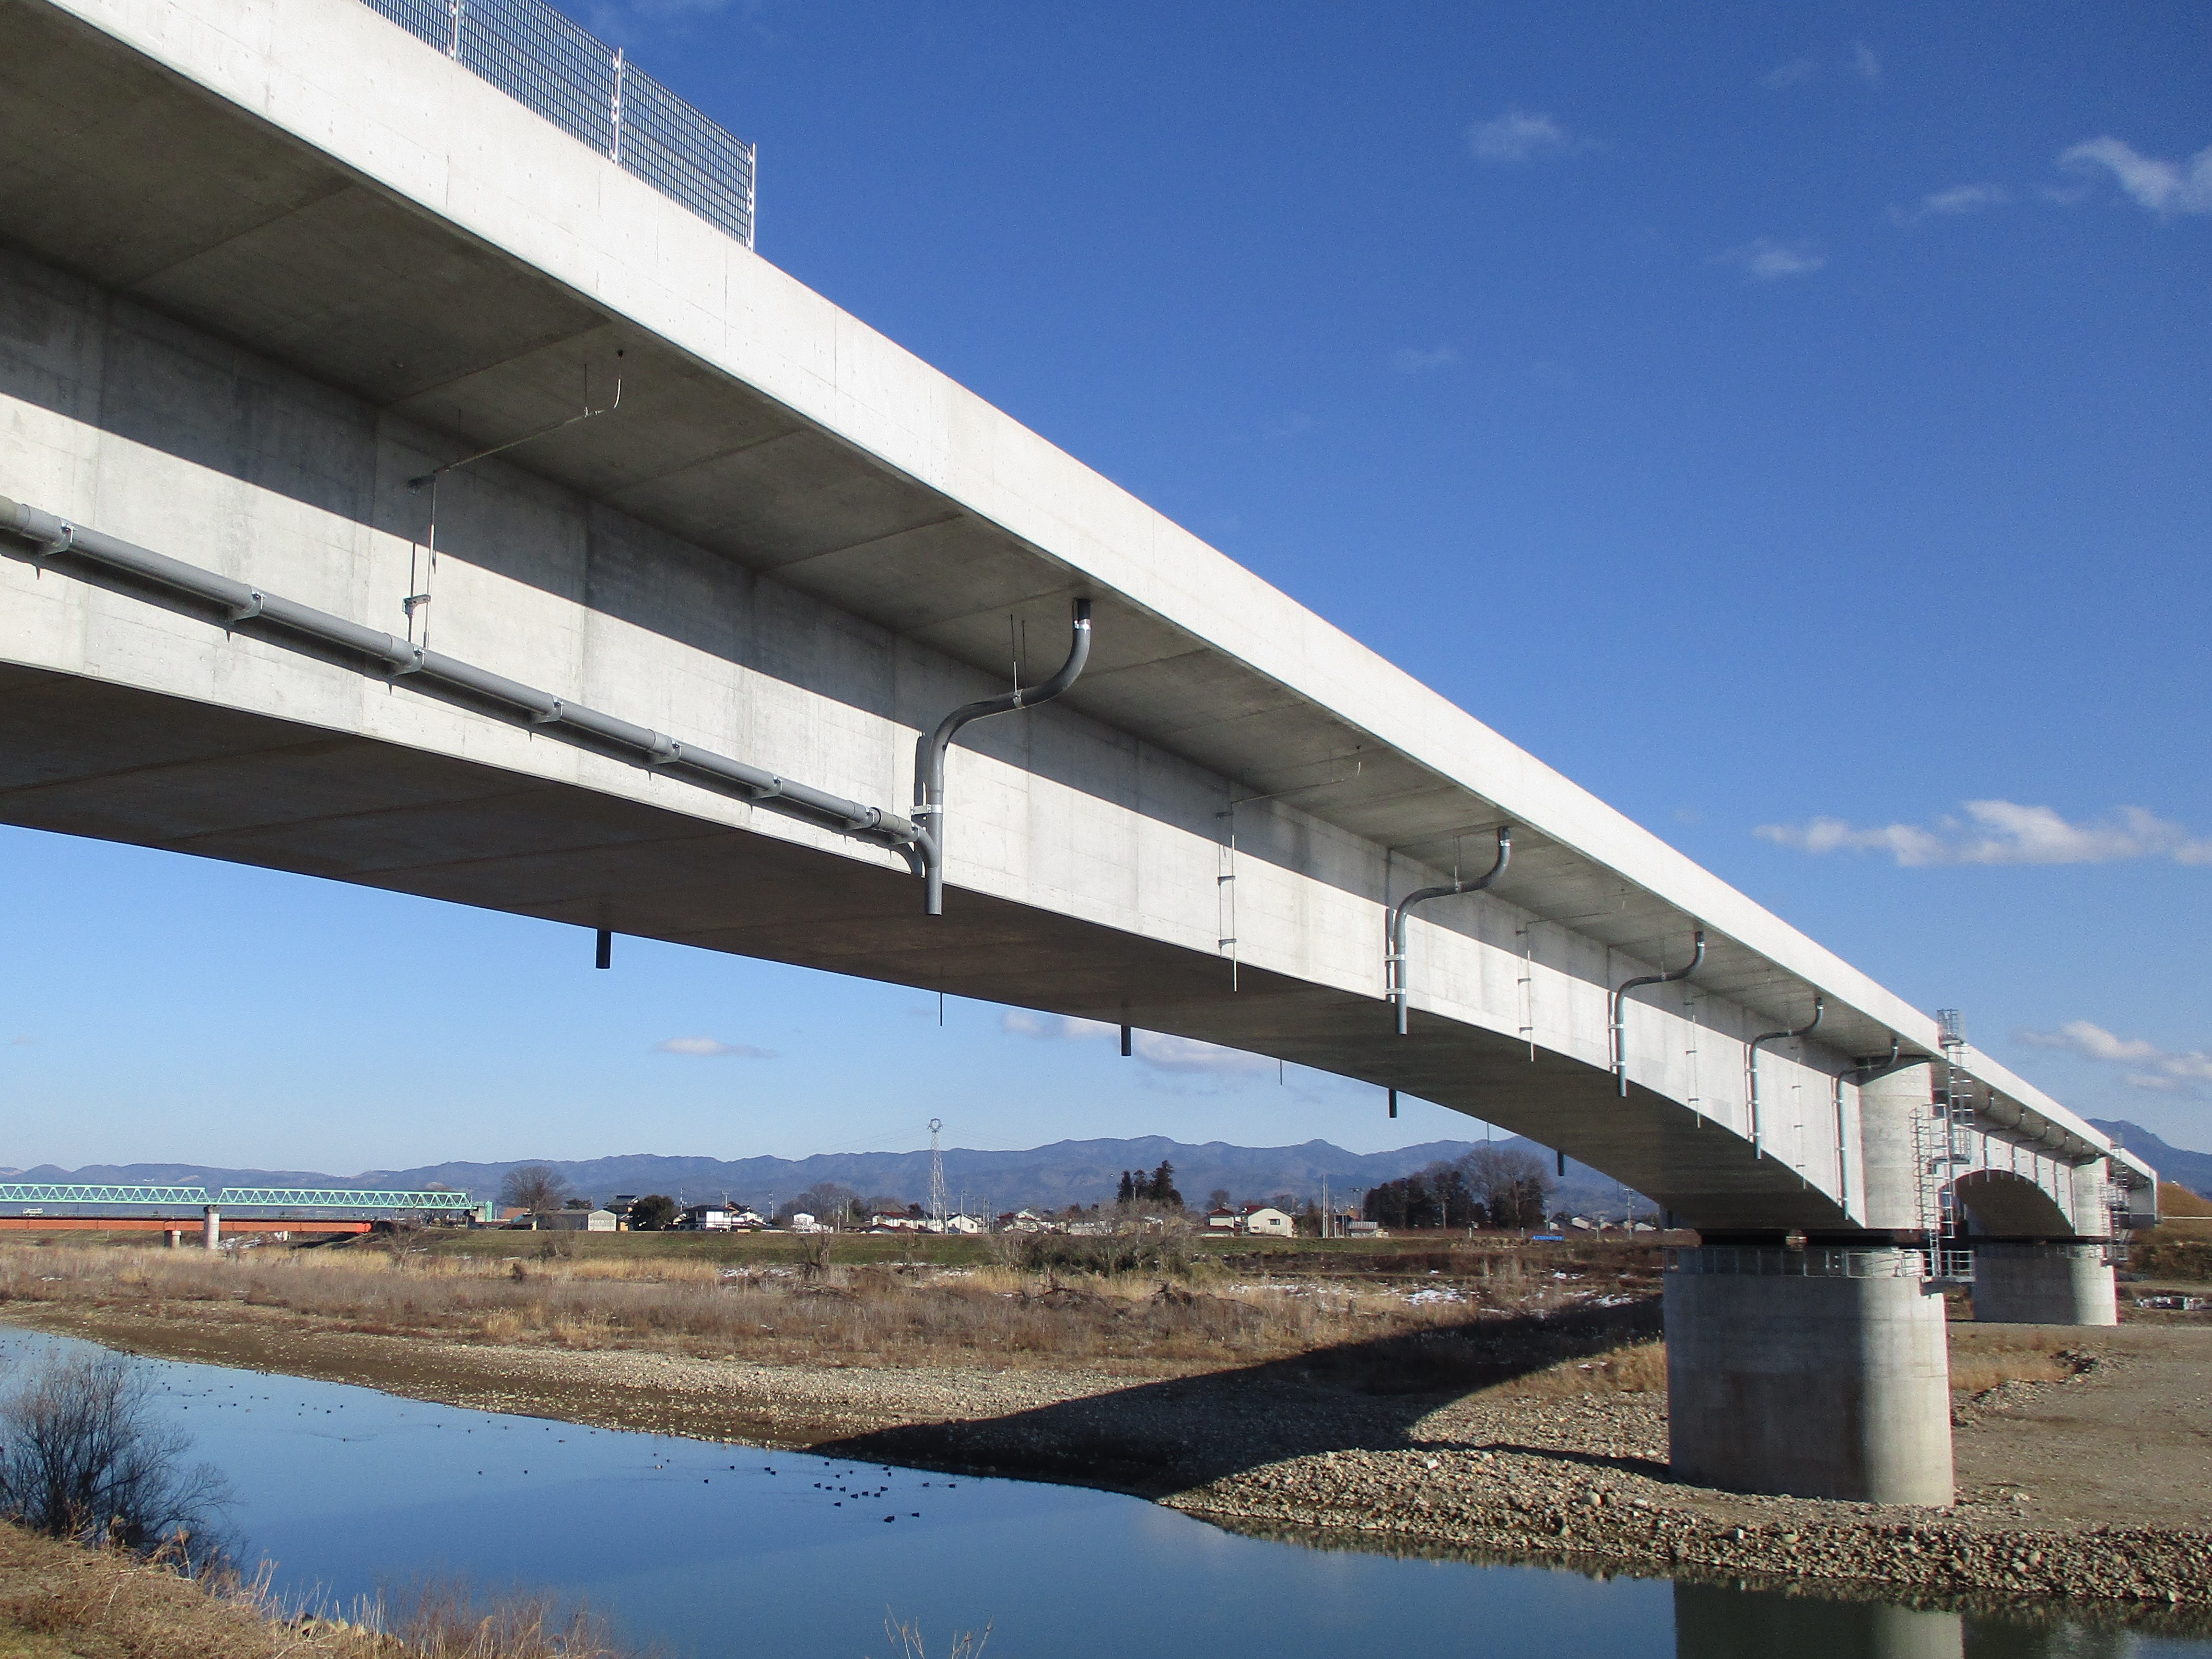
(290,1199)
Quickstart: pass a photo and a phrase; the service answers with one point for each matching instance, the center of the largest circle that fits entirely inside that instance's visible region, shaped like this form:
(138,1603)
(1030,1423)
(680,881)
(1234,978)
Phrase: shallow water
(708,1550)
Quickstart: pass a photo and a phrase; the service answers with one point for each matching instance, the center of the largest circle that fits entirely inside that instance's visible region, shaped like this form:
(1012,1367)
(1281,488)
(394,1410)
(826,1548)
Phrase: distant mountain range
(2192,1170)
(1066,1172)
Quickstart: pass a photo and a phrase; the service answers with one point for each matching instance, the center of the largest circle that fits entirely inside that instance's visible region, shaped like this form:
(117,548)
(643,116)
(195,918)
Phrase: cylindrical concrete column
(1891,1112)
(1821,1373)
(172,1237)
(211,1228)
(2036,1284)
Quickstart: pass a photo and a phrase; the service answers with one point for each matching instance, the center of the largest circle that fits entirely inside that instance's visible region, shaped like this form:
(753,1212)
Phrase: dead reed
(1055,1308)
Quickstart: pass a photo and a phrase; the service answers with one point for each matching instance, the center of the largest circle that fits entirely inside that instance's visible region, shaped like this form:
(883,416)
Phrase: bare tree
(82,1456)
(537,1188)
(1510,1181)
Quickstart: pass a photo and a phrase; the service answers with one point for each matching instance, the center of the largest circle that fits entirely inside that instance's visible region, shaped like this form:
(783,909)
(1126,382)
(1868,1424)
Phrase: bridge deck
(304,179)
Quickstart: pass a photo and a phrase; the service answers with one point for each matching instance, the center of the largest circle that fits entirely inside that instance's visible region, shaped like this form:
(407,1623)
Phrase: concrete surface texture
(2019,1282)
(268,262)
(1828,1378)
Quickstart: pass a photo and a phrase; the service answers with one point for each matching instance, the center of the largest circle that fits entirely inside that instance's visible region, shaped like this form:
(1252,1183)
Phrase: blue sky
(1790,423)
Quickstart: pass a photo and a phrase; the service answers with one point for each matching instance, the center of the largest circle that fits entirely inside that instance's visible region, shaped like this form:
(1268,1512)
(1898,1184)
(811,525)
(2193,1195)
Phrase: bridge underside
(86,758)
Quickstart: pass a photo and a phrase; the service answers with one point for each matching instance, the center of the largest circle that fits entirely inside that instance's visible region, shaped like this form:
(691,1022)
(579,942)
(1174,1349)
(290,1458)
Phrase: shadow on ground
(1156,1438)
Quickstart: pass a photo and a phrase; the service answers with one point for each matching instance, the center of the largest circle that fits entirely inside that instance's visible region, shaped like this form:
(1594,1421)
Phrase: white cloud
(2160,1070)
(2165,188)
(1421,359)
(1862,62)
(1521,135)
(1155,1049)
(706,1047)
(1767,260)
(2003,832)
(1952,202)
(1020,1021)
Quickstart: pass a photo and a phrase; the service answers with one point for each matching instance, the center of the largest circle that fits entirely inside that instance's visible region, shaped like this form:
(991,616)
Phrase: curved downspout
(1620,1012)
(929,753)
(1394,965)
(1751,1057)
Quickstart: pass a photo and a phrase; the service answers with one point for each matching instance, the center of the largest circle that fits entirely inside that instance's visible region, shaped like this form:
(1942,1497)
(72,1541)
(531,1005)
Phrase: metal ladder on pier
(1944,1146)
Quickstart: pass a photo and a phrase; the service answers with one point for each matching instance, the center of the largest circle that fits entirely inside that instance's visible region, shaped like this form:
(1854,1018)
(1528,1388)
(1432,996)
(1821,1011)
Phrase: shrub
(82,1457)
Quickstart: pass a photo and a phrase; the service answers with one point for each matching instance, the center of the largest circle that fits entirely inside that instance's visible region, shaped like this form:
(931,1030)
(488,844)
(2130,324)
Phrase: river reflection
(708,1550)
(1716,1623)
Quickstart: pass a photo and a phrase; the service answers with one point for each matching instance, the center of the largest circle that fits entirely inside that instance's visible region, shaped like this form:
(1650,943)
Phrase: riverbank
(1473,1397)
(61,1600)
(2090,1490)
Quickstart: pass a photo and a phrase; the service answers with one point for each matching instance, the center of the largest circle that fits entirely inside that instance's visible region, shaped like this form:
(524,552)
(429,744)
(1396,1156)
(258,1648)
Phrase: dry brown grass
(1984,1356)
(995,1314)
(1639,1368)
(2178,1202)
(60,1601)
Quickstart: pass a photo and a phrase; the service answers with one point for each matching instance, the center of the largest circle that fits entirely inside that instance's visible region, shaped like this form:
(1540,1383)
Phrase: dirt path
(2114,1467)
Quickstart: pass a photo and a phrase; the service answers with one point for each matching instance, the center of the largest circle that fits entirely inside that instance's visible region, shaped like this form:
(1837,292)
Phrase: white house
(1264,1219)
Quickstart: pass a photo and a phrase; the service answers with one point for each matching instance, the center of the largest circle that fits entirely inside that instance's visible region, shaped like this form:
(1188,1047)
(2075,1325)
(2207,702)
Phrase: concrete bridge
(400,489)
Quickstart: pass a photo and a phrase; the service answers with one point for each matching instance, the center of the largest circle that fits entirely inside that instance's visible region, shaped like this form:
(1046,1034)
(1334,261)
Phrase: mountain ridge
(2176,1164)
(1052,1176)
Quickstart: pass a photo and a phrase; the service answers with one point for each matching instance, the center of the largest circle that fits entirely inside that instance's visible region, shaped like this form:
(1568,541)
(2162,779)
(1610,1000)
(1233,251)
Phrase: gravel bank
(1579,1480)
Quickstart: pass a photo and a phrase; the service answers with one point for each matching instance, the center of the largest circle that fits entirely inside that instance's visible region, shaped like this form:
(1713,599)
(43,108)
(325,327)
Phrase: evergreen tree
(1127,1192)
(1161,1189)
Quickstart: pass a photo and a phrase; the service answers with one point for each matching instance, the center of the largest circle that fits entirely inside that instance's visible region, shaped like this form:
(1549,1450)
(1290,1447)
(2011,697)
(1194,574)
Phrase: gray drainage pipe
(1620,1012)
(929,753)
(285,620)
(1751,1057)
(1394,965)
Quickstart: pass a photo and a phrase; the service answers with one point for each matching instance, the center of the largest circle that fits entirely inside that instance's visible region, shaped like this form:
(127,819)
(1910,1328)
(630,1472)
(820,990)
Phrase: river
(707,1550)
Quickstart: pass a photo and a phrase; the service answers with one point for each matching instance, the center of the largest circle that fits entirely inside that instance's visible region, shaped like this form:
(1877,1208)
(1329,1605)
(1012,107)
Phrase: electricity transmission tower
(936,1206)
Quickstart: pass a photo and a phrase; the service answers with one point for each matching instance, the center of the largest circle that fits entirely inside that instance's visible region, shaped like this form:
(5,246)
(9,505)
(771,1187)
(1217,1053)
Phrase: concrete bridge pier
(1821,1372)
(2030,1282)
(211,1228)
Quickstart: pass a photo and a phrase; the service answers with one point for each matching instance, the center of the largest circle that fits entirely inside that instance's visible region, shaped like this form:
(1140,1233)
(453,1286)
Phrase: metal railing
(590,90)
(1819,1262)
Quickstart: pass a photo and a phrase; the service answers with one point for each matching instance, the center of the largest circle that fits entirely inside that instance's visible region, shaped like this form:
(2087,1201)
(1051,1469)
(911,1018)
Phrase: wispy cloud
(1423,360)
(1520,135)
(1861,62)
(1157,1050)
(2003,832)
(2146,1064)
(2165,188)
(1954,203)
(705,1048)
(1766,260)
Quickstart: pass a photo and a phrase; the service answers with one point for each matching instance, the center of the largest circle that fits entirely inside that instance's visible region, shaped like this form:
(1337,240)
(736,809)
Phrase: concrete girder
(818,538)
